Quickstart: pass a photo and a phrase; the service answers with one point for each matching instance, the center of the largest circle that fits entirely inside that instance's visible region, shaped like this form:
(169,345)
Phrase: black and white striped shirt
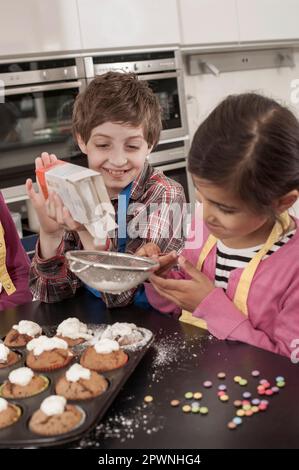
(229,259)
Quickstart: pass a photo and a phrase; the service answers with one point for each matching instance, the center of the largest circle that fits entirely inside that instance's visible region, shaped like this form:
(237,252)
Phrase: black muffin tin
(19,434)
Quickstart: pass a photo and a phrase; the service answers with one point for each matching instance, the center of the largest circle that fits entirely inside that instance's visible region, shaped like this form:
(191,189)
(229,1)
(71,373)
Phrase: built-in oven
(171,159)
(35,116)
(163,72)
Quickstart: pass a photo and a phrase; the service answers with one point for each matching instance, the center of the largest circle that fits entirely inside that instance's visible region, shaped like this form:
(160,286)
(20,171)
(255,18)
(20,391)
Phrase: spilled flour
(170,353)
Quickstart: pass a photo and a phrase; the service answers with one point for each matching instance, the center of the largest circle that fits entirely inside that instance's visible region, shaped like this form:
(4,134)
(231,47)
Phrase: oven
(35,116)
(163,72)
(171,159)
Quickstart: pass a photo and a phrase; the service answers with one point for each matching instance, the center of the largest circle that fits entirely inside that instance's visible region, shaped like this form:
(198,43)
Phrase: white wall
(204,92)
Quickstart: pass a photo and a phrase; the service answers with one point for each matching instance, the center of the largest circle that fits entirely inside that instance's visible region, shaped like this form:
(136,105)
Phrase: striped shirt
(229,259)
(52,281)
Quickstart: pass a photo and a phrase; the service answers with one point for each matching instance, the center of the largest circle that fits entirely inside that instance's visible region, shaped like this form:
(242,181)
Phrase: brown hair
(120,98)
(250,145)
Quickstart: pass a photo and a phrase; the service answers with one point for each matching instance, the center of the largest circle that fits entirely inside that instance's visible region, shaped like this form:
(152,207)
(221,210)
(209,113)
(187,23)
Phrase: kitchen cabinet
(128,23)
(208,21)
(268,20)
(38,26)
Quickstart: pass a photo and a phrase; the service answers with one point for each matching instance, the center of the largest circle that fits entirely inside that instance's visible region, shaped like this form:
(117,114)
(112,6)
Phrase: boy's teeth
(113,172)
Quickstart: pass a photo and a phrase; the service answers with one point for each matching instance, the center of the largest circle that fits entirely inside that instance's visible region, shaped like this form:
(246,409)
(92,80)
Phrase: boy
(116,122)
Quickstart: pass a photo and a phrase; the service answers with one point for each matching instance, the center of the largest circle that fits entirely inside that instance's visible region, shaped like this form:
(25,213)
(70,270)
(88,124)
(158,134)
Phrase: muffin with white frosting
(22,333)
(73,331)
(7,357)
(55,417)
(124,333)
(79,383)
(104,355)
(23,383)
(46,354)
(9,413)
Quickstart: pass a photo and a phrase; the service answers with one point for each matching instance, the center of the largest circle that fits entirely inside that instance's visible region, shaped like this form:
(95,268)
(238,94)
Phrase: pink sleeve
(191,253)
(160,303)
(225,321)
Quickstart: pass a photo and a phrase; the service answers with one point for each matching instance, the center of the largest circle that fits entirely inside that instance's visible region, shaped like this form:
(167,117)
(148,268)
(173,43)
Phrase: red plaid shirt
(52,281)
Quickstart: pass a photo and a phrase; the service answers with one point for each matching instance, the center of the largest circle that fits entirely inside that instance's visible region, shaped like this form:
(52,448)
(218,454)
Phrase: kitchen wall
(205,91)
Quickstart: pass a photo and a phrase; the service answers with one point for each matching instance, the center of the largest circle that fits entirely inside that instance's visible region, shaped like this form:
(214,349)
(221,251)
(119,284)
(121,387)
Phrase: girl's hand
(166,262)
(187,294)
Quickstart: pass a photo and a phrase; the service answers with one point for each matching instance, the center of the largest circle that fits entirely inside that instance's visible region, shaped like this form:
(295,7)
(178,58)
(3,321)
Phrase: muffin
(22,333)
(124,333)
(55,417)
(23,383)
(73,332)
(9,414)
(79,383)
(7,357)
(46,354)
(103,356)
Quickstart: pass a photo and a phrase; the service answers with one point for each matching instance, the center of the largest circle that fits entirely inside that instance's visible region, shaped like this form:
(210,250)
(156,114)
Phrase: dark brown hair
(120,98)
(250,145)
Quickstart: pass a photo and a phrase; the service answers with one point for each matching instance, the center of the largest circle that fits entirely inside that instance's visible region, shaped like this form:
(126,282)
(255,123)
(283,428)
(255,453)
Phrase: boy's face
(118,151)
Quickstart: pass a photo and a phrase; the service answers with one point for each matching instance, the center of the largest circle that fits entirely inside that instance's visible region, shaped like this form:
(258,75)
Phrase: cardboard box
(83,192)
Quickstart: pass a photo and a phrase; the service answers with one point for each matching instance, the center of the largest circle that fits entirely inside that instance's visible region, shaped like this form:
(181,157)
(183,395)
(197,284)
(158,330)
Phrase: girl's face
(226,216)
(118,151)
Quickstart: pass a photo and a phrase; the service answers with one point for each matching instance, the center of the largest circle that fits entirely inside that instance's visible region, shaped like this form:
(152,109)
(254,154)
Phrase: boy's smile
(118,151)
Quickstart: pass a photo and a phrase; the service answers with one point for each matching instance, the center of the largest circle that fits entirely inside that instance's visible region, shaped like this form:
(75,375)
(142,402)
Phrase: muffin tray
(19,434)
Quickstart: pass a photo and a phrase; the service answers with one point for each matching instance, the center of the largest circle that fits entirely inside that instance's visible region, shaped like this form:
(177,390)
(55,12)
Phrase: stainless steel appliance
(35,116)
(37,108)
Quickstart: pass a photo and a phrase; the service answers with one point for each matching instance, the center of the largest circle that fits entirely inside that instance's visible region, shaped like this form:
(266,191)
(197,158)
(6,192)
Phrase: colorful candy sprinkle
(203,410)
(186,408)
(231,425)
(175,402)
(197,395)
(207,384)
(221,375)
(148,399)
(255,373)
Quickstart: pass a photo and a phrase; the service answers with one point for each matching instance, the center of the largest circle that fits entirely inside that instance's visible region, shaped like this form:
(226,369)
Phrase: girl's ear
(288,200)
(81,144)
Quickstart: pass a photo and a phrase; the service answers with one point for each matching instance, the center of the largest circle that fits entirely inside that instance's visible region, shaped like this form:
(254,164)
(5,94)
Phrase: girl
(14,263)
(242,278)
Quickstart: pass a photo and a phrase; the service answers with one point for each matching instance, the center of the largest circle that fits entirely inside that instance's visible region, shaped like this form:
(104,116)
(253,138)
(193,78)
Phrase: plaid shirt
(52,281)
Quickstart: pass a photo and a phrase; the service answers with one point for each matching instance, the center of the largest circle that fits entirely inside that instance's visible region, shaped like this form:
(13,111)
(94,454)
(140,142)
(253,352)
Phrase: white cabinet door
(265,20)
(37,26)
(127,23)
(208,21)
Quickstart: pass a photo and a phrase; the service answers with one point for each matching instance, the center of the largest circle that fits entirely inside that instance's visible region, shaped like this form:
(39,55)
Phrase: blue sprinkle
(237,420)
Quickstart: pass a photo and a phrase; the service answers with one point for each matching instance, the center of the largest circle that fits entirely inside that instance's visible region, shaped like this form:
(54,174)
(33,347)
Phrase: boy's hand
(53,217)
(47,224)
(187,294)
(148,250)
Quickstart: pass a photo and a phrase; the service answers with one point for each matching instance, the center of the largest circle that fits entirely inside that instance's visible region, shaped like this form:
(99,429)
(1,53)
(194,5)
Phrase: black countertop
(180,360)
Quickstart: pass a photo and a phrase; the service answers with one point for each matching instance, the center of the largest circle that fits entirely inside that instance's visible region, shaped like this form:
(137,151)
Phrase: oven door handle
(37,88)
(173,166)
(159,76)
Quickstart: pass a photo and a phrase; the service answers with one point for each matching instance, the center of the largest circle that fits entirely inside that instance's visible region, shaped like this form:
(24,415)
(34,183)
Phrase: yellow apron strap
(187,317)
(242,291)
(4,276)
